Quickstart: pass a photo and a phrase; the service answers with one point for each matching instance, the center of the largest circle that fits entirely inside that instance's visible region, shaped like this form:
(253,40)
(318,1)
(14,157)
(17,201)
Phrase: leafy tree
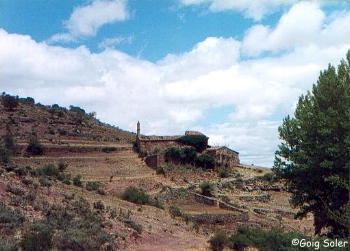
(9,102)
(200,142)
(314,156)
(205,160)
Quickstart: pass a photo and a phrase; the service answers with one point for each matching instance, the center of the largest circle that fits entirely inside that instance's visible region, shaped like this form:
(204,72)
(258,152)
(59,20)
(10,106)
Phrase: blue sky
(232,69)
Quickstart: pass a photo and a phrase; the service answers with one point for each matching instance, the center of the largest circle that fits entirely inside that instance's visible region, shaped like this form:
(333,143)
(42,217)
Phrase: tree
(9,102)
(34,147)
(314,156)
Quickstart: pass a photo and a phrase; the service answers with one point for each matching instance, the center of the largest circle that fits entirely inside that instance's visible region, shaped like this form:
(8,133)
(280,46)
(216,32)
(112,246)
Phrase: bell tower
(138,129)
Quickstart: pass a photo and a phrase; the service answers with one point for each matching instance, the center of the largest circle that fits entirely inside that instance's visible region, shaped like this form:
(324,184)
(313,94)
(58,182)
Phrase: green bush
(218,241)
(10,218)
(34,147)
(137,227)
(200,142)
(45,182)
(92,185)
(224,173)
(62,166)
(206,188)
(175,211)
(268,177)
(205,160)
(77,181)
(136,196)
(49,170)
(267,240)
(183,155)
(27,181)
(109,149)
(37,237)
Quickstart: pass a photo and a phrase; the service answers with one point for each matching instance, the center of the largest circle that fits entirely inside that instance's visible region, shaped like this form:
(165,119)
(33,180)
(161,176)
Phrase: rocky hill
(53,123)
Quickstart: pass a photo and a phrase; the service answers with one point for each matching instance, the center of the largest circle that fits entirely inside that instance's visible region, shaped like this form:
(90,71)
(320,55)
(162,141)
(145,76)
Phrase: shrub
(10,218)
(160,170)
(268,177)
(200,142)
(175,211)
(34,147)
(224,173)
(156,203)
(109,149)
(9,102)
(62,166)
(37,237)
(9,143)
(99,205)
(92,185)
(267,240)
(27,181)
(218,241)
(205,160)
(21,171)
(101,191)
(5,155)
(77,181)
(14,190)
(136,196)
(49,170)
(137,227)
(183,155)
(45,182)
(173,154)
(206,188)
(67,181)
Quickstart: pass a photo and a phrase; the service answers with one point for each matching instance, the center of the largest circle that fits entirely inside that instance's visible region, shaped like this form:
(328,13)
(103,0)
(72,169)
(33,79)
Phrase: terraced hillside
(101,166)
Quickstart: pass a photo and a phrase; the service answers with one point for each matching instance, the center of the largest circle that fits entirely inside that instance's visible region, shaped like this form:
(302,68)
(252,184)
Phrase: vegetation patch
(200,142)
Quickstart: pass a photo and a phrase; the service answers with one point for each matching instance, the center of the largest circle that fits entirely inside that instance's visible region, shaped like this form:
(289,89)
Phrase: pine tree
(314,156)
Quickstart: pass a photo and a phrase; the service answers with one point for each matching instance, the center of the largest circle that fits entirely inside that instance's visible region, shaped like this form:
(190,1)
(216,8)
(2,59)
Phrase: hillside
(57,124)
(82,176)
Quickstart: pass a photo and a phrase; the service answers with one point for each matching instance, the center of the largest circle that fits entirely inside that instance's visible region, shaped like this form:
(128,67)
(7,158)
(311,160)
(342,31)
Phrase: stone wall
(154,161)
(224,157)
(150,147)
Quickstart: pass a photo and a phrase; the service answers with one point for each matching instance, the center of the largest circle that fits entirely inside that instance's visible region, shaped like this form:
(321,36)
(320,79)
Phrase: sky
(232,69)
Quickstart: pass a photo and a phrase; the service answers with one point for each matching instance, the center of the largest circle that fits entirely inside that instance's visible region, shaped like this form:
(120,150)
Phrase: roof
(159,138)
(215,148)
(187,133)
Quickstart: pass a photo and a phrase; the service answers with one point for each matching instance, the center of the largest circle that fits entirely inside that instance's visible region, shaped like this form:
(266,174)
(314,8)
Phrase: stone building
(224,156)
(152,147)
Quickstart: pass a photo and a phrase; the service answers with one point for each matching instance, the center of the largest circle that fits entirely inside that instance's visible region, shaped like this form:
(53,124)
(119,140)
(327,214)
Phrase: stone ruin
(152,148)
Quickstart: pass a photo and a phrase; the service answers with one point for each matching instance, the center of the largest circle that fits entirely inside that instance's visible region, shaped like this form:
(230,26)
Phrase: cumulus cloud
(252,9)
(87,19)
(303,25)
(173,94)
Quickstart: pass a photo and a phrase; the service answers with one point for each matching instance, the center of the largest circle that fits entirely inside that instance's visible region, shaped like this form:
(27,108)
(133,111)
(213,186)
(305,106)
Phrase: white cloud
(250,8)
(303,25)
(86,20)
(112,42)
(173,94)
